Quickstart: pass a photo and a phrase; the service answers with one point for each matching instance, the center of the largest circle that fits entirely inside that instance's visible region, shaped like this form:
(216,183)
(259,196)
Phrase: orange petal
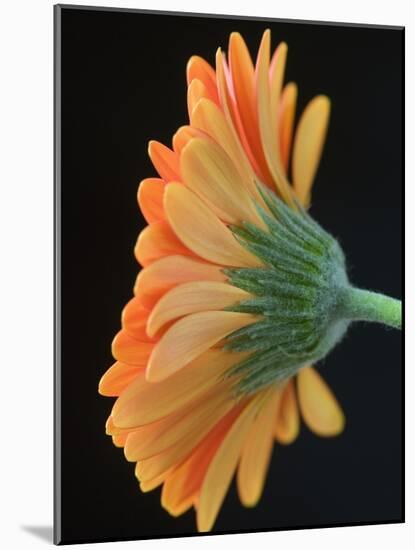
(207,116)
(177,453)
(287,425)
(242,71)
(319,408)
(136,405)
(195,91)
(180,505)
(276,78)
(196,419)
(180,508)
(156,241)
(119,440)
(230,109)
(243,80)
(183,135)
(222,467)
(117,378)
(165,161)
(151,484)
(308,145)
(286,121)
(201,230)
(150,199)
(210,173)
(134,319)
(112,429)
(185,481)
(192,298)
(129,350)
(198,68)
(190,337)
(231,112)
(159,277)
(269,137)
(257,450)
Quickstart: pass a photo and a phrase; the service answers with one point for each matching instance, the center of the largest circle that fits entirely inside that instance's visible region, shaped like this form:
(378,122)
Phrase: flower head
(238,295)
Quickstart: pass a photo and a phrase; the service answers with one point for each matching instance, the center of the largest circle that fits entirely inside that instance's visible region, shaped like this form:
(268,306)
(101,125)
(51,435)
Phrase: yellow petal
(308,145)
(222,467)
(136,405)
(210,173)
(257,450)
(156,241)
(286,121)
(201,230)
(150,199)
(287,425)
(190,337)
(269,137)
(318,406)
(191,298)
(165,161)
(156,279)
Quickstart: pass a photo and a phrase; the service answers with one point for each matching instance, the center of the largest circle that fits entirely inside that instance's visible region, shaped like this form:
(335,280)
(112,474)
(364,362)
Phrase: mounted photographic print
(228,274)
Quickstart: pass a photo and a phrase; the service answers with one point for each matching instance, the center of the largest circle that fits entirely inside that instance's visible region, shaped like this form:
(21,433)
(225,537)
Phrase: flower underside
(295,295)
(240,291)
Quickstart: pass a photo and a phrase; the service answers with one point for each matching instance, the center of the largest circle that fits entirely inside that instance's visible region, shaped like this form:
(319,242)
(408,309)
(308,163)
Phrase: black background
(123,83)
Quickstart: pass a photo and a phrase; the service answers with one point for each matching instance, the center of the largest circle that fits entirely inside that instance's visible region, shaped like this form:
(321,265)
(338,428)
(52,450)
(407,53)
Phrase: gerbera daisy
(239,294)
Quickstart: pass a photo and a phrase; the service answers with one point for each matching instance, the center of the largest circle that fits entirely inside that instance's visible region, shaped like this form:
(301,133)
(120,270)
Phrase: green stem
(364,305)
